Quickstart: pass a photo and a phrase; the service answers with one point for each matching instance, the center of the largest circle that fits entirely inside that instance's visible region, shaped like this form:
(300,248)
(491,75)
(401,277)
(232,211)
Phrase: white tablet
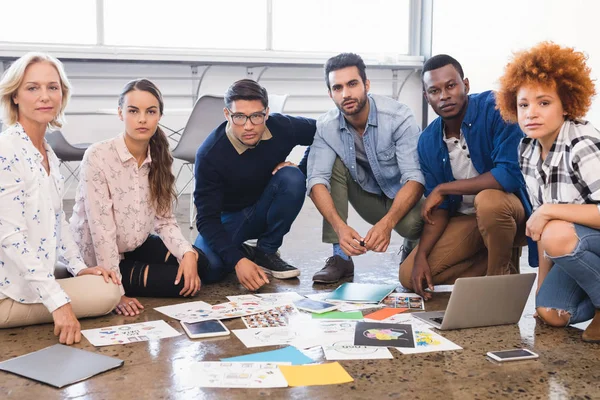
(203,329)
(315,306)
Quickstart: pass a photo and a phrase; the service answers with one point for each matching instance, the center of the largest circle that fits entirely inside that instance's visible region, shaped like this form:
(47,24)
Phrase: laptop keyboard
(438,320)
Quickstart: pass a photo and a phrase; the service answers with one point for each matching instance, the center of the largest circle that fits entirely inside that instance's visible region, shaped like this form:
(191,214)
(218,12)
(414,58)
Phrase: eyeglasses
(241,119)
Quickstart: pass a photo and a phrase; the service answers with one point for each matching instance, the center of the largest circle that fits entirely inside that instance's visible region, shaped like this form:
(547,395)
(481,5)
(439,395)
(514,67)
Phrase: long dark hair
(162,180)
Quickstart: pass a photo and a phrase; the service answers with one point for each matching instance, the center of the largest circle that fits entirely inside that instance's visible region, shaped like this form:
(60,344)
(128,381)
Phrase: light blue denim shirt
(390,139)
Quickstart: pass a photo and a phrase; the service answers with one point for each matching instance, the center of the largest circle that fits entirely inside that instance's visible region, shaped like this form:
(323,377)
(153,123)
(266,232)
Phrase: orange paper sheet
(384,313)
(315,374)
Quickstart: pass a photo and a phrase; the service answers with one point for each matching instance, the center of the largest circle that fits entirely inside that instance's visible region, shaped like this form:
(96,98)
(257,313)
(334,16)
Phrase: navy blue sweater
(228,181)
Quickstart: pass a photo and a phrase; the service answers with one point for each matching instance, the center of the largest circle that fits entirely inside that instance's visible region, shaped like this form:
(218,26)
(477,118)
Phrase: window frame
(266,57)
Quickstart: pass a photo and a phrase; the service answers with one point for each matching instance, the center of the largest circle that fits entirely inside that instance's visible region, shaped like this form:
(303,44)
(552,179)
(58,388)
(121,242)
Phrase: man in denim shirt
(364,152)
(476,204)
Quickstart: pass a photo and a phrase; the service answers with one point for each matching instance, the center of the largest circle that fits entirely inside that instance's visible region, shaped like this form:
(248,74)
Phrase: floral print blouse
(113,213)
(34,236)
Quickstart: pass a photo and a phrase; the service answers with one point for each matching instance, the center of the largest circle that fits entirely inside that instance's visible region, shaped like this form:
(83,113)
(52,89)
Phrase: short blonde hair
(13,78)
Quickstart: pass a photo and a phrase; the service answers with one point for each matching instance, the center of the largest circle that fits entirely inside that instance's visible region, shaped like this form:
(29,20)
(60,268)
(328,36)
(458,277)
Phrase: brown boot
(335,269)
(592,332)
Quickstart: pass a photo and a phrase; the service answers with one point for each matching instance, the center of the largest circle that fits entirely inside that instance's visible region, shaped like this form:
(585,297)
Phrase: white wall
(482,35)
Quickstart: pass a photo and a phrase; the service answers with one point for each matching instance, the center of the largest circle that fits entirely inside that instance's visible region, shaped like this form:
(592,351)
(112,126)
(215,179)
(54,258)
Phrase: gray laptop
(483,301)
(60,365)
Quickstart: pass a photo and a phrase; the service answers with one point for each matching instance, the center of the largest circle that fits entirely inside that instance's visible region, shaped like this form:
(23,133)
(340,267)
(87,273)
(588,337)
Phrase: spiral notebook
(361,292)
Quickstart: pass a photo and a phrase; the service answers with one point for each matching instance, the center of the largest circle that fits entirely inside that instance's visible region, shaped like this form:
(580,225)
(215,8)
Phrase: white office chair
(206,115)
(66,153)
(277,102)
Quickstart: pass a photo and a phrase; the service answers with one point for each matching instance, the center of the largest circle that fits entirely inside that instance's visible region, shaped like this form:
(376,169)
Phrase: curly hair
(549,65)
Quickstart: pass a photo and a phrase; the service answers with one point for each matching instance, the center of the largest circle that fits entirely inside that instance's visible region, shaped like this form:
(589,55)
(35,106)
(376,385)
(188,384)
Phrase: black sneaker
(406,248)
(248,251)
(272,264)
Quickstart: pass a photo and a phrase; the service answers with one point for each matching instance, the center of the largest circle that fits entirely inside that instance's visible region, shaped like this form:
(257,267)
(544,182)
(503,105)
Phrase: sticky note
(315,374)
(339,315)
(286,354)
(384,313)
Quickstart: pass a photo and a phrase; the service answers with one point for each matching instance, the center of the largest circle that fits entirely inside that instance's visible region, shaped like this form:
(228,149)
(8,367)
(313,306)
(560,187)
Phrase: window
(232,24)
(43,21)
(375,26)
(271,30)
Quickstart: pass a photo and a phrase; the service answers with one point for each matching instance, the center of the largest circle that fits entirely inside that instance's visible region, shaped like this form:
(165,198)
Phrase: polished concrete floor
(567,367)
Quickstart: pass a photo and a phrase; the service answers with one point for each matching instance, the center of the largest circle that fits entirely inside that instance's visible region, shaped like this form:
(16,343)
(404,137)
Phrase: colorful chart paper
(277,316)
(427,341)
(404,300)
(386,335)
(237,375)
(199,310)
(259,337)
(347,350)
(130,333)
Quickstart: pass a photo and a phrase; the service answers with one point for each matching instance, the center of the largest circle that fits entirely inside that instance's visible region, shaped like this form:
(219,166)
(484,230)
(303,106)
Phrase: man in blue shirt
(246,190)
(364,153)
(476,205)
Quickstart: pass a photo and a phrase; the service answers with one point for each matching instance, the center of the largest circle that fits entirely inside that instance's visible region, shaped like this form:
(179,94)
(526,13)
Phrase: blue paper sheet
(286,354)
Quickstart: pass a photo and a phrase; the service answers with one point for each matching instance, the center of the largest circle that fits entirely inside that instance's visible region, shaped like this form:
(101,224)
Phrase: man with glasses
(246,190)
(365,153)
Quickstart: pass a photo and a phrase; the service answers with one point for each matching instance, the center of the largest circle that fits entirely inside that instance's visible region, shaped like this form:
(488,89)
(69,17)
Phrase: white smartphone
(315,306)
(204,329)
(512,355)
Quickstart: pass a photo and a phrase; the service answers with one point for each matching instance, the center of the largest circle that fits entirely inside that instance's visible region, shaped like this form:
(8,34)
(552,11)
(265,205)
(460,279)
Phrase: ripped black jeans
(150,270)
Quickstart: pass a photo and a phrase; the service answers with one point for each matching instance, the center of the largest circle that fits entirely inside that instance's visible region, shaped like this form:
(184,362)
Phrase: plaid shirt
(570,174)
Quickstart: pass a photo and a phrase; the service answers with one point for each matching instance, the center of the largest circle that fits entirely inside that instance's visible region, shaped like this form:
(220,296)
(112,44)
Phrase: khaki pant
(369,206)
(487,243)
(90,297)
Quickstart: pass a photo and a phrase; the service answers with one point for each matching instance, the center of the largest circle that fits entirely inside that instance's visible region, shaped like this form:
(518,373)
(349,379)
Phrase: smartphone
(204,329)
(315,306)
(512,355)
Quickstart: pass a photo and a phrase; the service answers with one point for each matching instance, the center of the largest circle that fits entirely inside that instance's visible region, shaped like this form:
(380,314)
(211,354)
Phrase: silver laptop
(483,301)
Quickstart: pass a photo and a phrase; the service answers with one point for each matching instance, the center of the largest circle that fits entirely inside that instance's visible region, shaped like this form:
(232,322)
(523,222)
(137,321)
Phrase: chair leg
(72,174)
(192,207)
(177,178)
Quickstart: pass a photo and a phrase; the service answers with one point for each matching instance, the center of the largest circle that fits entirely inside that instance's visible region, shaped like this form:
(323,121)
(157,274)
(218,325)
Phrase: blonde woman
(34,234)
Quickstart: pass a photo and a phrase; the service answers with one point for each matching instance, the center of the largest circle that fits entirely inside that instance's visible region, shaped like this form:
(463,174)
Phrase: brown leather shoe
(592,332)
(335,269)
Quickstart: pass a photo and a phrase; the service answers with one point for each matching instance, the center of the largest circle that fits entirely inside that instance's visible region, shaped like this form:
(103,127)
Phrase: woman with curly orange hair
(548,89)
